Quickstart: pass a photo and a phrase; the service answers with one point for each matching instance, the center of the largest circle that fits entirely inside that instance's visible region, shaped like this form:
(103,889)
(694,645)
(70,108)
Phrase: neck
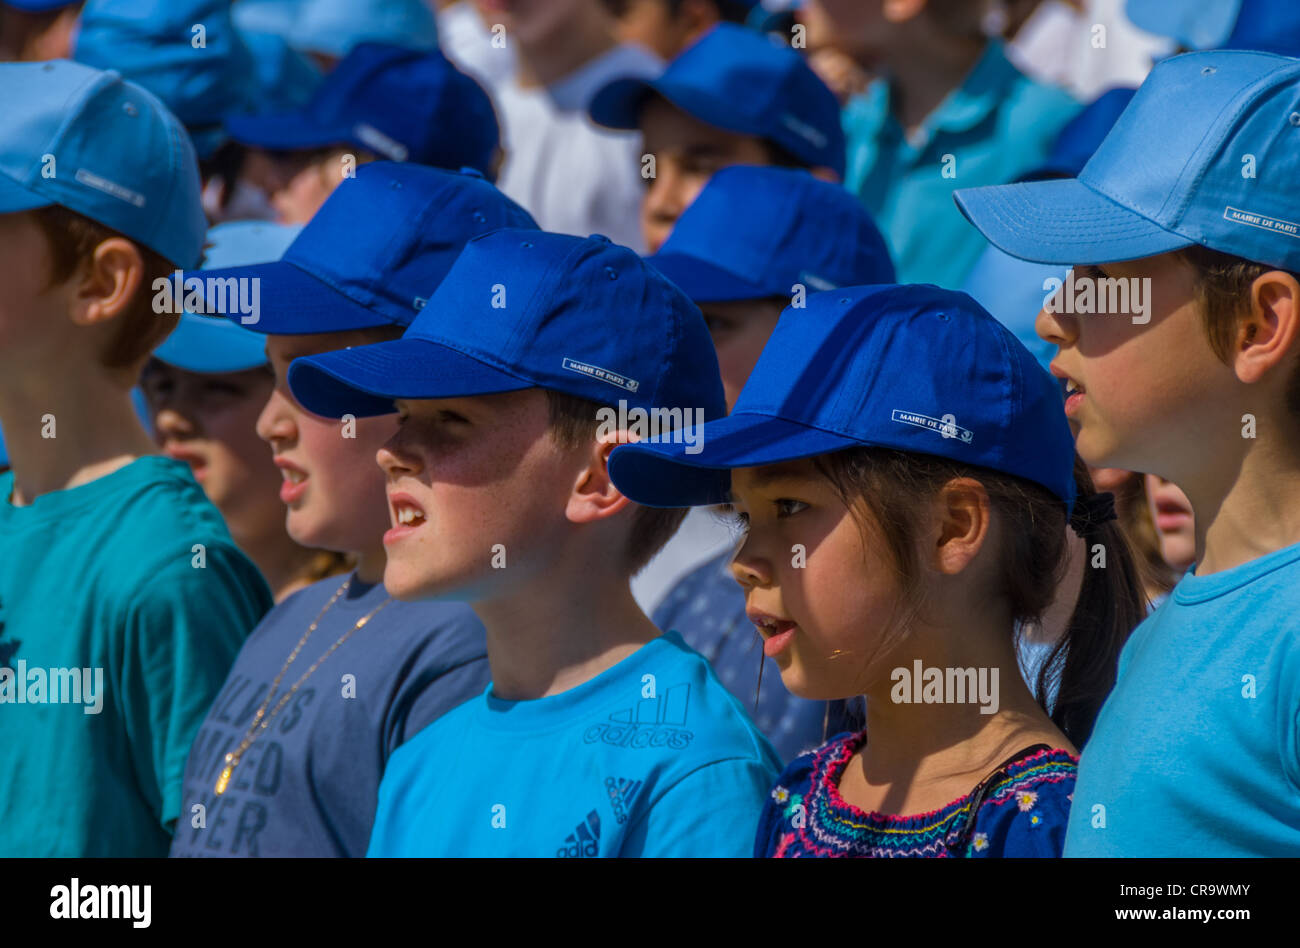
(576,42)
(923,74)
(1249,509)
(371,563)
(282,562)
(560,628)
(67,434)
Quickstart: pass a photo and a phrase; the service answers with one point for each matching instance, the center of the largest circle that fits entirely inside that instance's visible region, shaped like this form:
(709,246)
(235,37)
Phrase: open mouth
(407,516)
(776,633)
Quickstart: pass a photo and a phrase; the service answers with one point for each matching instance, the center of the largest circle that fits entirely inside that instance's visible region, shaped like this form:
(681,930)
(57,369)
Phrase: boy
(949,110)
(753,241)
(598,735)
(732,98)
(342,673)
(381,102)
(123,598)
(1183,231)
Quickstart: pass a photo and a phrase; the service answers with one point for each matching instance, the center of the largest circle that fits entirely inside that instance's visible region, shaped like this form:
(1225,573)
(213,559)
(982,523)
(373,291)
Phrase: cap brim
(705,282)
(1063,222)
(211,344)
(365,380)
(14,197)
(286,131)
(618,105)
(290,302)
(682,473)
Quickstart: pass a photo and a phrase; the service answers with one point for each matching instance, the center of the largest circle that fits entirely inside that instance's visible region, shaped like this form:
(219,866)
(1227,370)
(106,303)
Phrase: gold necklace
(261,720)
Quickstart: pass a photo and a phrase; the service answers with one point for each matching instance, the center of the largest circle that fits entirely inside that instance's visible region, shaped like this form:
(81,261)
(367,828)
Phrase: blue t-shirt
(308,785)
(1197,750)
(707,607)
(127,594)
(1023,813)
(652,757)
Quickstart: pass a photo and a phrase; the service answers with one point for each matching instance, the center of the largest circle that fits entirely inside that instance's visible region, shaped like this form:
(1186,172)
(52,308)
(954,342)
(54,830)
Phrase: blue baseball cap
(335,27)
(914,368)
(215,344)
(38,6)
(740,81)
(402,104)
(285,78)
(1078,140)
(153,43)
(756,232)
(373,253)
(577,315)
(267,16)
(1171,173)
(102,147)
(1271,26)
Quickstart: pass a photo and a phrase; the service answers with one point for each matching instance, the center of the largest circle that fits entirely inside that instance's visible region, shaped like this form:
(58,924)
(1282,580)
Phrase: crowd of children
(710,428)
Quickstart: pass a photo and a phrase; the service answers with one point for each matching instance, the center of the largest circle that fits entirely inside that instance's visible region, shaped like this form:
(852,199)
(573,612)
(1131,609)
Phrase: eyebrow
(771,473)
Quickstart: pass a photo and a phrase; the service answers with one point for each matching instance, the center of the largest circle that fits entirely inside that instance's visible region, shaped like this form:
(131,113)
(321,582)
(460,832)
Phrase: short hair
(573,423)
(72,239)
(729,11)
(1222,289)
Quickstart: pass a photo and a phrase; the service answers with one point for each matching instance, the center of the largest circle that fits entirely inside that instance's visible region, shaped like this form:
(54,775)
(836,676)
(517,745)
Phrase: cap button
(472,172)
(601,237)
(611,273)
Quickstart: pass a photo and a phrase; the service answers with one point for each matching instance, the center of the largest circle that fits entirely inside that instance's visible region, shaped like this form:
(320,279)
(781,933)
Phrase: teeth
(408,515)
(1071,386)
(293,477)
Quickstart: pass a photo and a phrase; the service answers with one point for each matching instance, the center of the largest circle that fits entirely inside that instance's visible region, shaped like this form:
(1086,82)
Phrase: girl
(905,474)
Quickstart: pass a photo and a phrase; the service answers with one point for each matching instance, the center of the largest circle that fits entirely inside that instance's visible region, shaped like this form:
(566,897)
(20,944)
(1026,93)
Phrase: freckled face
(821,594)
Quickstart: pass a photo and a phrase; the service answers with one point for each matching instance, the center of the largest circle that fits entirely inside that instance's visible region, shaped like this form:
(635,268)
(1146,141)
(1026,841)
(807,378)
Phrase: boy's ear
(823,173)
(108,282)
(900,11)
(1266,337)
(594,495)
(962,512)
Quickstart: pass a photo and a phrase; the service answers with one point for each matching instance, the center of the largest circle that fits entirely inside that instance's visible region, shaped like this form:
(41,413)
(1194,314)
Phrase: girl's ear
(962,515)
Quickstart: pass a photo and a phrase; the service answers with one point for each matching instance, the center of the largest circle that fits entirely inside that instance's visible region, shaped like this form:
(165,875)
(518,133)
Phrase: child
(754,240)
(381,102)
(123,598)
(617,740)
(732,98)
(1193,193)
(205,387)
(950,110)
(341,672)
(667,27)
(904,478)
(37,30)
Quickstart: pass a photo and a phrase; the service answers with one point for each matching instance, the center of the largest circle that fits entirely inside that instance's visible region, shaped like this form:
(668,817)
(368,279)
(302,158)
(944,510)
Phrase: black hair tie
(1091,512)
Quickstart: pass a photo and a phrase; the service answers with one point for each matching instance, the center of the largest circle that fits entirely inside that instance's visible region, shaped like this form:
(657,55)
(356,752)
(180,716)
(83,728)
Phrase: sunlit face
(334,495)
(209,421)
(1144,390)
(740,330)
(821,595)
(297,183)
(474,482)
(1175,522)
(687,153)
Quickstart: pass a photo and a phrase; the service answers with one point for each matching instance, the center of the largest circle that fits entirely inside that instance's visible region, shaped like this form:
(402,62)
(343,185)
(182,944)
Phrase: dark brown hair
(1032,559)
(72,240)
(573,423)
(1223,283)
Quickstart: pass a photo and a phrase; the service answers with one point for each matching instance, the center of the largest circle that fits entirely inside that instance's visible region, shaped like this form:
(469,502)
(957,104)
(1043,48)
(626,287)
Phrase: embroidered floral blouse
(1023,814)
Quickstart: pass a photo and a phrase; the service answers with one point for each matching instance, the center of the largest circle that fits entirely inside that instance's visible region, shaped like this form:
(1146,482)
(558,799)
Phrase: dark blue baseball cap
(214,343)
(38,6)
(527,309)
(402,104)
(757,231)
(186,52)
(108,149)
(1173,172)
(743,82)
(914,368)
(1271,26)
(374,252)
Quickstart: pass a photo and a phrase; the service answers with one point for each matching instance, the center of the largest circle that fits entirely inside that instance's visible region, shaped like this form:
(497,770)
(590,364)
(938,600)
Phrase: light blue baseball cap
(103,147)
(186,52)
(333,27)
(1208,153)
(214,343)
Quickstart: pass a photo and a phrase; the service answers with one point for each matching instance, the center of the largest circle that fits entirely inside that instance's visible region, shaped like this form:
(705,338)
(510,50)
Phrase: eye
(450,417)
(737,520)
(785,507)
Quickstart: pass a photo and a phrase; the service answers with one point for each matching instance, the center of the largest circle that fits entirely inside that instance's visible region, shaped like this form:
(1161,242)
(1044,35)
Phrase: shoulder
(786,808)
(1026,811)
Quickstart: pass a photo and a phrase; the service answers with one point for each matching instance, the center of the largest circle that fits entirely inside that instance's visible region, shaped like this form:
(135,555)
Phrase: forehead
(666,127)
(758,478)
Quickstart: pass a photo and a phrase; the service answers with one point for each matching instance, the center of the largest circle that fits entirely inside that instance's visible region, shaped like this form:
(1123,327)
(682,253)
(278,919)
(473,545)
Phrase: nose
(275,424)
(396,459)
(749,569)
(169,424)
(1055,327)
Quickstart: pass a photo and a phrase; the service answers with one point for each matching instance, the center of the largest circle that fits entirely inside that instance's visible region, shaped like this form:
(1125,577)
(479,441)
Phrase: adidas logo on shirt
(583,842)
(621,791)
(653,722)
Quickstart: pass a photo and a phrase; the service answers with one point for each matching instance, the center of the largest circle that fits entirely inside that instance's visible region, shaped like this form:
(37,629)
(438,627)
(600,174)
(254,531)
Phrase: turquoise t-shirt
(653,757)
(115,636)
(1197,750)
(996,126)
